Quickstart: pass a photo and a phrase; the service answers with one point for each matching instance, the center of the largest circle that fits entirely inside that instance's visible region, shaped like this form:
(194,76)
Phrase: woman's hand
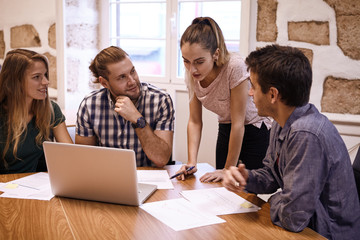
(183,170)
(216,176)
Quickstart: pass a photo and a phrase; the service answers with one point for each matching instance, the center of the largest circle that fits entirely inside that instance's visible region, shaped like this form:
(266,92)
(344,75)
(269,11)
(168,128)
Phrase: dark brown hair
(285,68)
(107,56)
(206,32)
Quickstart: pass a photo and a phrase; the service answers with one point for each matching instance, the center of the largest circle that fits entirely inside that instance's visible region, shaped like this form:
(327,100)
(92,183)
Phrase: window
(150,30)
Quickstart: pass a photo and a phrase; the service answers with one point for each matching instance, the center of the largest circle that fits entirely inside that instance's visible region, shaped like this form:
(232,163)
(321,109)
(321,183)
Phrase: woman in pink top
(219,81)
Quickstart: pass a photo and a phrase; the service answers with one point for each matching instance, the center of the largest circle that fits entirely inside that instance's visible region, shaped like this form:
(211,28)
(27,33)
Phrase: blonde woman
(27,116)
(219,81)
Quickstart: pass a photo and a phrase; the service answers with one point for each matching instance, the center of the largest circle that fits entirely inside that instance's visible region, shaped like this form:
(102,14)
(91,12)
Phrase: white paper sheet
(36,186)
(219,201)
(156,177)
(179,214)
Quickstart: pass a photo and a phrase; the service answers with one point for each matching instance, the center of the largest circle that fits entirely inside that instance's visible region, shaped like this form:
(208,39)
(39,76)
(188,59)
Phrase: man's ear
(274,94)
(104,82)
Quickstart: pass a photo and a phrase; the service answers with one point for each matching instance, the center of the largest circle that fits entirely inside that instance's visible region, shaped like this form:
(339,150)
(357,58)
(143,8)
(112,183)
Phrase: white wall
(327,60)
(209,134)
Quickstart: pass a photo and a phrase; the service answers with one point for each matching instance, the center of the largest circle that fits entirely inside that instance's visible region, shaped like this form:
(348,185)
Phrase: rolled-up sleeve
(166,115)
(83,123)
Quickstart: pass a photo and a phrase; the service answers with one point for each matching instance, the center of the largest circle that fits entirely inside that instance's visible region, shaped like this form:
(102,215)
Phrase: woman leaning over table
(27,116)
(219,81)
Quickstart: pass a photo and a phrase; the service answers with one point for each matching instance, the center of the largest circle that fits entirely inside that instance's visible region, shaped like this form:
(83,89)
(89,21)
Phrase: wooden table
(64,218)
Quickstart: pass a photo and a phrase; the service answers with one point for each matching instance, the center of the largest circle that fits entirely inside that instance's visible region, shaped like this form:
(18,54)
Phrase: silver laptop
(95,173)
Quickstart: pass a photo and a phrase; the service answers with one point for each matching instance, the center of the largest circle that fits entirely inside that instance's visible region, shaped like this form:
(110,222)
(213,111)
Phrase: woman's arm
(238,100)
(61,133)
(194,129)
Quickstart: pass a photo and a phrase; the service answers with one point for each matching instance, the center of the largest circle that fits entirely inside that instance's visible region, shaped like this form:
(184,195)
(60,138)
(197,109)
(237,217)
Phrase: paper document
(156,177)
(179,214)
(219,201)
(36,186)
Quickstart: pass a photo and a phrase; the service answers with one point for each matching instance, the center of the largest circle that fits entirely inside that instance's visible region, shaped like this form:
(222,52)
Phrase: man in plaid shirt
(126,113)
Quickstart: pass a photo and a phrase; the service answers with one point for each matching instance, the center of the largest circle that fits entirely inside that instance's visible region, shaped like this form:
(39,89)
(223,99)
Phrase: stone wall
(30,25)
(26,36)
(328,32)
(82,40)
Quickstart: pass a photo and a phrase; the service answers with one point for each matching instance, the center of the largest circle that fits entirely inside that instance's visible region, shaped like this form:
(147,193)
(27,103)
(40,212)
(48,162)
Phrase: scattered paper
(36,186)
(156,177)
(219,201)
(179,214)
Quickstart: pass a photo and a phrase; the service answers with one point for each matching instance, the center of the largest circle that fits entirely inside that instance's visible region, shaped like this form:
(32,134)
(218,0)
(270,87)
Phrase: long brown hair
(13,100)
(206,32)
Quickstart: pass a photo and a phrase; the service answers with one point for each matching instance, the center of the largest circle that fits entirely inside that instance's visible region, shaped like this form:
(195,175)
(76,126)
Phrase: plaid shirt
(96,117)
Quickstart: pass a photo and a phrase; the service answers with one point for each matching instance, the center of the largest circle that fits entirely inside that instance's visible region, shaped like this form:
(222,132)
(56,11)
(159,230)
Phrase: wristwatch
(140,123)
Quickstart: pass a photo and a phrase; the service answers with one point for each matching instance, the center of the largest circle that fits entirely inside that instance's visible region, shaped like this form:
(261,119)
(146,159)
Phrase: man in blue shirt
(126,113)
(306,156)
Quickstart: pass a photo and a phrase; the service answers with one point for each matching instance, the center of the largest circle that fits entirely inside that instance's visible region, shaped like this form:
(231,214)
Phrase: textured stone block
(314,32)
(348,32)
(2,45)
(24,36)
(52,36)
(82,36)
(308,53)
(266,29)
(52,70)
(341,96)
(347,22)
(345,7)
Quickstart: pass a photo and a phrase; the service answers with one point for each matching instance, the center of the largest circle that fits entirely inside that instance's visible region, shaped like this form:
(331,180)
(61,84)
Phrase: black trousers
(253,149)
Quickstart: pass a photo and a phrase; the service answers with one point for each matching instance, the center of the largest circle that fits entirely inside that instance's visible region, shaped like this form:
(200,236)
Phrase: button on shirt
(96,117)
(315,175)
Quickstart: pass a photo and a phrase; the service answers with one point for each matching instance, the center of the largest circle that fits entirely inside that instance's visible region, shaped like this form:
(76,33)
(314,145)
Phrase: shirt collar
(143,88)
(296,114)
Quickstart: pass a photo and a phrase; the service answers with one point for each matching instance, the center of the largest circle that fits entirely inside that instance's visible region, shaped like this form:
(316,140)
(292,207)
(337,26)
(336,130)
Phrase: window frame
(171,48)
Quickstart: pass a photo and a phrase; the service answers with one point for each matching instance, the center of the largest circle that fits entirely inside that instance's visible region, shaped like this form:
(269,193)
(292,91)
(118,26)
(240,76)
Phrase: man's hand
(235,178)
(126,109)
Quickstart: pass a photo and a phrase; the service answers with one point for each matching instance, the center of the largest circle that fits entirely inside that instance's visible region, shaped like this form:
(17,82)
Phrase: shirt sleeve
(83,122)
(262,181)
(302,177)
(166,115)
(58,115)
(238,71)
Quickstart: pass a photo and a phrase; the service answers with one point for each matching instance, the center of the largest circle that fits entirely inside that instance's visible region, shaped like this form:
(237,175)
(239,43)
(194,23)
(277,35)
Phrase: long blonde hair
(13,100)
(207,33)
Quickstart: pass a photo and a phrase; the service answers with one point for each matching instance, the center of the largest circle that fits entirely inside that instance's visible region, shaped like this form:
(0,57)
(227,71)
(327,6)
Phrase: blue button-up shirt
(309,161)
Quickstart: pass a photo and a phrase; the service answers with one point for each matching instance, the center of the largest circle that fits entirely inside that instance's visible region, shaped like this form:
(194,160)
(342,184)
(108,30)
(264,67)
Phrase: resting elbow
(296,222)
(162,161)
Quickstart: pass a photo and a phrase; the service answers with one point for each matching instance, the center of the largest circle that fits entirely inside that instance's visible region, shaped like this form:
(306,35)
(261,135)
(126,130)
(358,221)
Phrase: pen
(178,174)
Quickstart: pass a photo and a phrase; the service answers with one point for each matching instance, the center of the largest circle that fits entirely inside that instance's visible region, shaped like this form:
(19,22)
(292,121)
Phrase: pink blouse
(216,97)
